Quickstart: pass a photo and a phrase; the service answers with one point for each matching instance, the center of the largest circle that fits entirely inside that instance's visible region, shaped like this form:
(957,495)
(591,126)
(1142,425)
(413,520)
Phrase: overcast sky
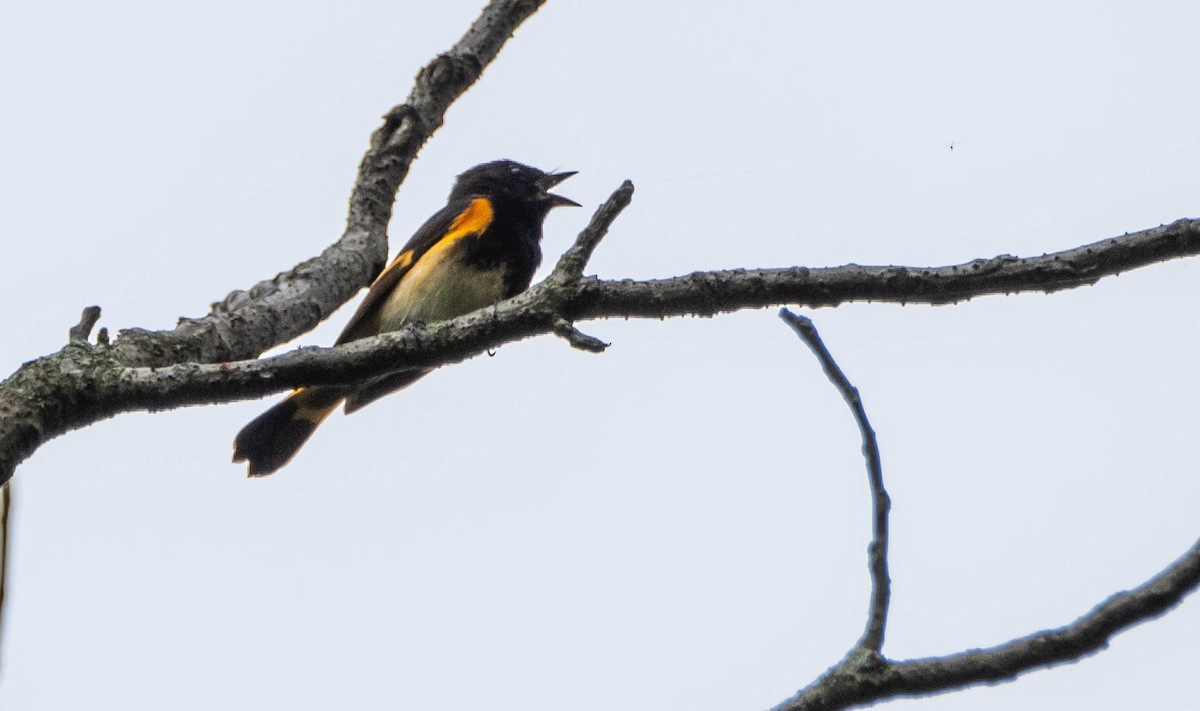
(681,522)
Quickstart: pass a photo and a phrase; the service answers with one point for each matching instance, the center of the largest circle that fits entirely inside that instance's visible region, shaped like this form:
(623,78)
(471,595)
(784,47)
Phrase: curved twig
(881,503)
(865,676)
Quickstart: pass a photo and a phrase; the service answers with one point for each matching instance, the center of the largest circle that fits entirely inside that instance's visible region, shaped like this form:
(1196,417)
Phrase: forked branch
(865,676)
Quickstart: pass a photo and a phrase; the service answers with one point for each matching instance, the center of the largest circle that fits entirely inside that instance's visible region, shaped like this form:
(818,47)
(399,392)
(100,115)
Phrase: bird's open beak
(550,181)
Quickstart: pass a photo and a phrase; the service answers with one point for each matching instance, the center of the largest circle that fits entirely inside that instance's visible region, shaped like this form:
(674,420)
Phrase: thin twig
(569,270)
(872,638)
(578,339)
(571,265)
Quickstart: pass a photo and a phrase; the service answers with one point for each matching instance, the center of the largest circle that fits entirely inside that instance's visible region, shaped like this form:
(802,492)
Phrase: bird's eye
(516,170)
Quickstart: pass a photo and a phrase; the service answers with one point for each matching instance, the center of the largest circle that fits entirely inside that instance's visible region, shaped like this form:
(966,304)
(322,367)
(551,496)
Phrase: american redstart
(482,247)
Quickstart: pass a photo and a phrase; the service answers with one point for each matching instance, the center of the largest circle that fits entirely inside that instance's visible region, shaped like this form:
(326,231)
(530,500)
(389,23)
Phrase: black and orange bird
(482,247)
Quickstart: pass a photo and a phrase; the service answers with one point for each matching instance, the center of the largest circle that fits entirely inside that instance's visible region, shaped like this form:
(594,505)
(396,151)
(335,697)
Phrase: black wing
(365,321)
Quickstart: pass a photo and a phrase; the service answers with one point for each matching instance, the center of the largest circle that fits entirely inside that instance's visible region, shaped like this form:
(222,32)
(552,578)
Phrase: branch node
(566,330)
(394,134)
(80,332)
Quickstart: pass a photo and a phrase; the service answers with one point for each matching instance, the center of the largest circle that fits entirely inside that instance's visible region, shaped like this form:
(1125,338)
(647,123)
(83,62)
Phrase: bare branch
(865,676)
(58,393)
(274,311)
(569,270)
(1087,635)
(78,386)
(211,359)
(872,639)
(848,686)
(709,293)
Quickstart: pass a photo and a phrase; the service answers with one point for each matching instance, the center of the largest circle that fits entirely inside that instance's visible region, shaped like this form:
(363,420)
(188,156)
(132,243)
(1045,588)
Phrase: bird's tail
(274,437)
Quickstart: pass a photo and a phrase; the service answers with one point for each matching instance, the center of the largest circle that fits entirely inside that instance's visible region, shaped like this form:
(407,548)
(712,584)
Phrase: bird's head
(509,181)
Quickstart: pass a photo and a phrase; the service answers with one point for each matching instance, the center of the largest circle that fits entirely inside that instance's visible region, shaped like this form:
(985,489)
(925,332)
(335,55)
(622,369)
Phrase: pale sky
(681,522)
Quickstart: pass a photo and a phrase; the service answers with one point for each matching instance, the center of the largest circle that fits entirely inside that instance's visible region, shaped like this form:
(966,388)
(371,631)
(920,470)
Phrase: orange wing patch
(471,221)
(474,219)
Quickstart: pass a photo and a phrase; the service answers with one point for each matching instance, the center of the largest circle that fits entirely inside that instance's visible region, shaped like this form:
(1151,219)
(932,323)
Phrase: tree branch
(211,359)
(569,270)
(710,293)
(81,384)
(540,310)
(865,676)
(881,503)
(848,686)
(246,323)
